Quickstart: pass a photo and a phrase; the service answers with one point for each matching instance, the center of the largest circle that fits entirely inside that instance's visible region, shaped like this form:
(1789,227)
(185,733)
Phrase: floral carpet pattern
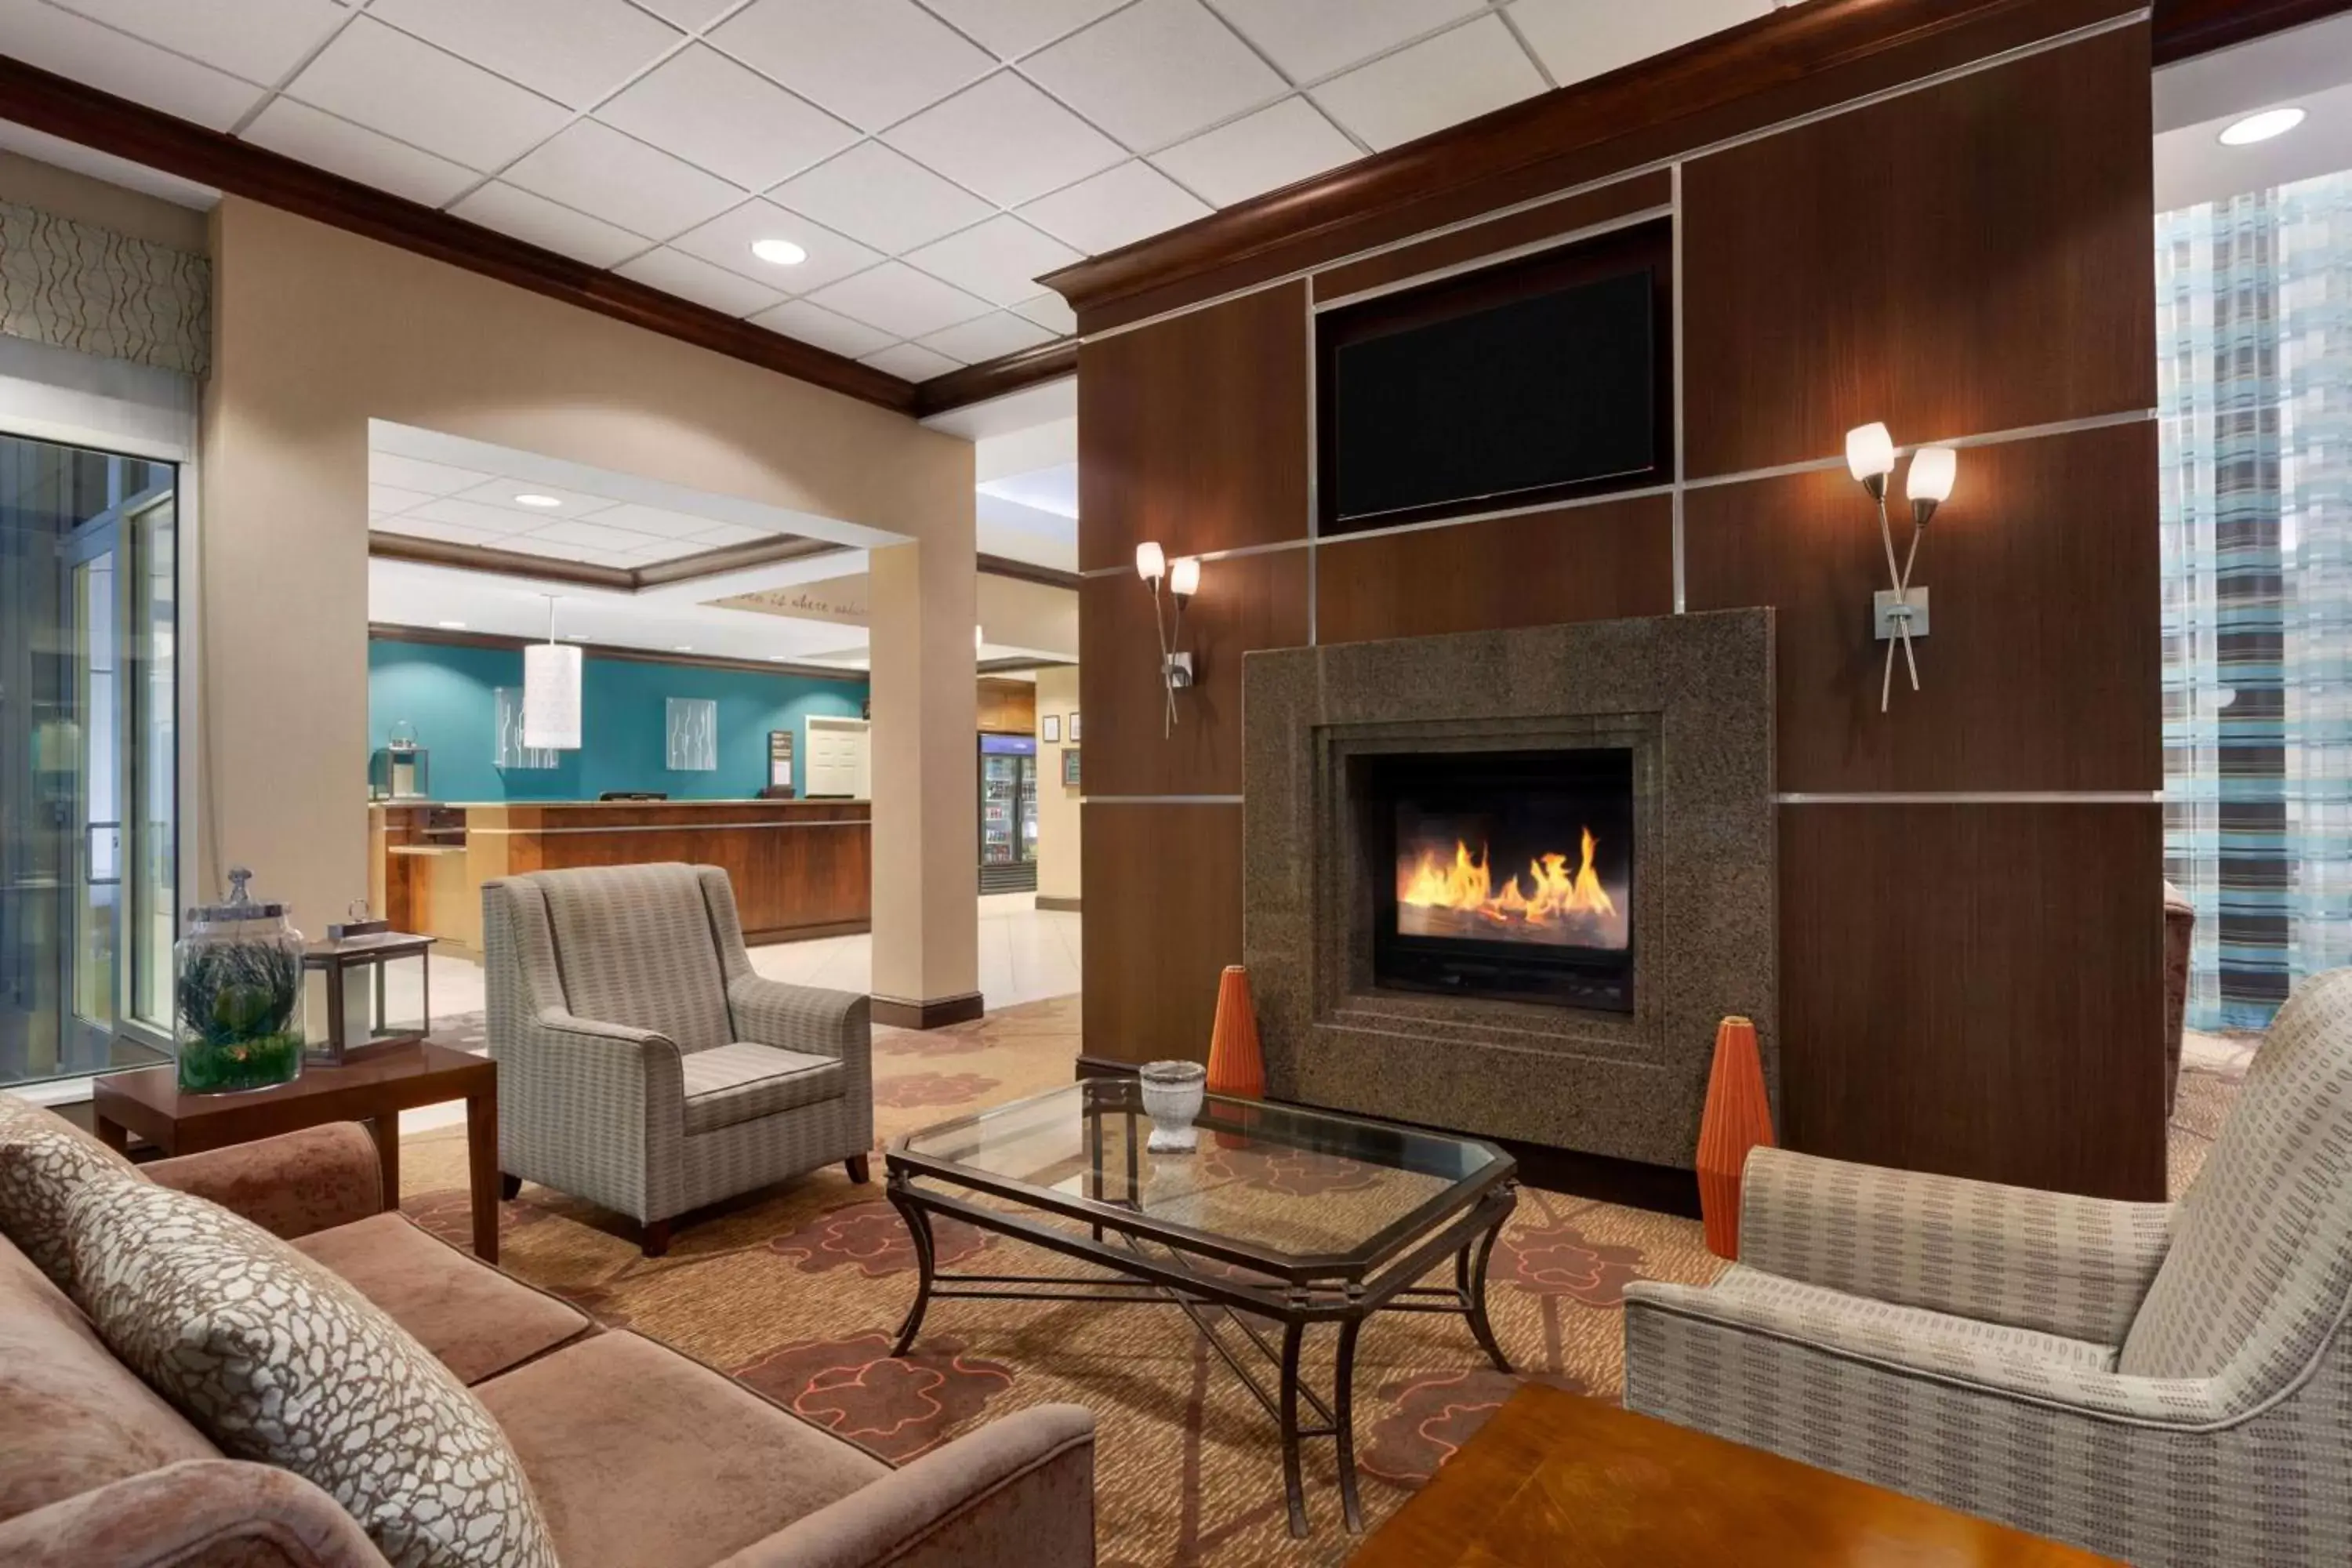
(799,1292)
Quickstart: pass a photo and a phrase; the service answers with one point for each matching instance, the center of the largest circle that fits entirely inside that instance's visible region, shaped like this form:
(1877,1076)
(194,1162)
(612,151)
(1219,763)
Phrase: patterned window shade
(2254,361)
(80,286)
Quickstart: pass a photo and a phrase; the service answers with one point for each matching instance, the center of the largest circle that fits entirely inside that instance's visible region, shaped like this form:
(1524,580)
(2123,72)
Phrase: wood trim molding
(61,107)
(1027,571)
(386,631)
(623,579)
(898,1013)
(1020,664)
(997,377)
(1058,905)
(1747,78)
(2186,28)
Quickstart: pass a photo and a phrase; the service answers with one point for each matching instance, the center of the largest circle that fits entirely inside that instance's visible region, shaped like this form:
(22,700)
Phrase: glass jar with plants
(237,1015)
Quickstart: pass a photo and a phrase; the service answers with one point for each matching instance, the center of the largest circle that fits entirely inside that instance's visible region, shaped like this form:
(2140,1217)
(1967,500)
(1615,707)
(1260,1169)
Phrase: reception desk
(801,867)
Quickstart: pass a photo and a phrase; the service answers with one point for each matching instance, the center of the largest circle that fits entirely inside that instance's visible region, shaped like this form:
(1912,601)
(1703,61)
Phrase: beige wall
(1058,805)
(30,182)
(318,330)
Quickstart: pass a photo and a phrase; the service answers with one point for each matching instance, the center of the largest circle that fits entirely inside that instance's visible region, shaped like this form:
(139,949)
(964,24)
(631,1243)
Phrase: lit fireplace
(1513,875)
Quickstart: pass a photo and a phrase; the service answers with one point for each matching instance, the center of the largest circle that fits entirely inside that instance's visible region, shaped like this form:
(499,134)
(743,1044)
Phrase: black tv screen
(1461,401)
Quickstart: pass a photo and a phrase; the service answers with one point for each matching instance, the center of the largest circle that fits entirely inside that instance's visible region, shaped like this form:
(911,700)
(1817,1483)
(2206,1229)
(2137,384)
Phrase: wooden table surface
(1555,1480)
(375,1089)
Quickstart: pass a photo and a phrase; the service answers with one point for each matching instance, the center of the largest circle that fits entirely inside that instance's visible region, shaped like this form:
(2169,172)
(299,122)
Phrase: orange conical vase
(1737,1117)
(1236,1065)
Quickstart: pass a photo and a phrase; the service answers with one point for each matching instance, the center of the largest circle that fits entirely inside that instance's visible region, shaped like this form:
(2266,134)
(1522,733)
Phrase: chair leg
(860,1170)
(510,1187)
(657,1237)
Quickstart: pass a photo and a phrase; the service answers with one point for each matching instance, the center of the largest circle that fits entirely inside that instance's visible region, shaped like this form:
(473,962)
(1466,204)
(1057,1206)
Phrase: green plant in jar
(238,997)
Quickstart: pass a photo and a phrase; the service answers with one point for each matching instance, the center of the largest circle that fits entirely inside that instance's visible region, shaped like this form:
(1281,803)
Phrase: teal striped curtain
(2254,348)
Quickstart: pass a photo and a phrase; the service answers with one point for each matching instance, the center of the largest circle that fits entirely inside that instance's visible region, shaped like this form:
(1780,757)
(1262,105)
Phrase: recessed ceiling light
(451,625)
(779,252)
(2262,127)
(533,498)
(780,659)
(682,647)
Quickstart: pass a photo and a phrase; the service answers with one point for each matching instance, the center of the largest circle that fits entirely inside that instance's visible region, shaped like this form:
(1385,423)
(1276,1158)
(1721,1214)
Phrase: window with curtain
(2254,357)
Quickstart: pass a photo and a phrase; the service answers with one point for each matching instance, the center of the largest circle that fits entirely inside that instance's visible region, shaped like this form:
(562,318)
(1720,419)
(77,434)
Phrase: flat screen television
(1534,381)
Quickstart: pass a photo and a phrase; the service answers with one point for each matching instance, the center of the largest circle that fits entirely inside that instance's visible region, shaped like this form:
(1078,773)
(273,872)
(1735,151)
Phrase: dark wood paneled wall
(1968,984)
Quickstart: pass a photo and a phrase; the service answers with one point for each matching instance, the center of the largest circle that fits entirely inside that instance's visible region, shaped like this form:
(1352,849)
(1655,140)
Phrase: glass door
(89,759)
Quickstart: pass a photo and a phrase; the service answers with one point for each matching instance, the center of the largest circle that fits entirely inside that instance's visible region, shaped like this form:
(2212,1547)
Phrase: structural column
(925,781)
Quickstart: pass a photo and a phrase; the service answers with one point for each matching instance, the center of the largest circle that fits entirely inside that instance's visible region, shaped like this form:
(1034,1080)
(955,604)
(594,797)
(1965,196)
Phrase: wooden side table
(374,1089)
(1557,1478)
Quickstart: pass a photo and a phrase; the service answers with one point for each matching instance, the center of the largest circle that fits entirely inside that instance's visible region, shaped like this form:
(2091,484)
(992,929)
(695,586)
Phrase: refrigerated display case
(1008,814)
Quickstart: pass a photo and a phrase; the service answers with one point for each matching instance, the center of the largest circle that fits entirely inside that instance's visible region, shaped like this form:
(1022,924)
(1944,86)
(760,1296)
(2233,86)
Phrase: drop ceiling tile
(71,46)
(871,63)
(555,549)
(726,241)
(663,550)
(1156,71)
(587,536)
(494,520)
(990,337)
(1312,38)
(340,147)
(1052,312)
(692,15)
(1115,208)
(1451,78)
(1006,140)
(720,534)
(416,474)
(595,169)
(815,324)
(1259,152)
(654,521)
(691,278)
(1013,28)
(501,491)
(900,300)
(1000,260)
(1580,39)
(575,51)
(448,533)
(535,219)
(910,361)
(727,117)
(388,81)
(389,499)
(882,198)
(260,40)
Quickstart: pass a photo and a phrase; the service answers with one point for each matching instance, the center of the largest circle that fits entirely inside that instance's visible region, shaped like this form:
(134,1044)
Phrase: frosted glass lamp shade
(1150,561)
(1933,470)
(1869,452)
(550,696)
(1184,576)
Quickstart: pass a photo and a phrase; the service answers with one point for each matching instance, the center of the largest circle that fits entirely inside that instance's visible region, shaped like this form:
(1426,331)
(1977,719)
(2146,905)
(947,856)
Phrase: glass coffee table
(1282,1220)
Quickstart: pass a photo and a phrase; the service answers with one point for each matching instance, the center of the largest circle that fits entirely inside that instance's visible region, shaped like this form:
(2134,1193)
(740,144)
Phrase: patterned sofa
(2169,1385)
(642,1065)
(637,1456)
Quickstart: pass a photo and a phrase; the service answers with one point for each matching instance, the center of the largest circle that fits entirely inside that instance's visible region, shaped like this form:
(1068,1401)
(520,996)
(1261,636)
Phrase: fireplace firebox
(1507,875)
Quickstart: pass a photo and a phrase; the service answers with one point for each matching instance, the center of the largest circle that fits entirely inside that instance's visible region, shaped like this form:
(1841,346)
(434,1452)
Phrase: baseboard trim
(777,934)
(1660,1189)
(1059,905)
(937,1013)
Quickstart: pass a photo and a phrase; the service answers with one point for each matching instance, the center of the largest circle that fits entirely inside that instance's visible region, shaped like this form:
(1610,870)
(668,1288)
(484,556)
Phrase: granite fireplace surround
(1691,696)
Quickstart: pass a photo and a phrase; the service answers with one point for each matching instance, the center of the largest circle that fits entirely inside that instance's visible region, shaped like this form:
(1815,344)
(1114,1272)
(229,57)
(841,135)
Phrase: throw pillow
(44,1158)
(276,1359)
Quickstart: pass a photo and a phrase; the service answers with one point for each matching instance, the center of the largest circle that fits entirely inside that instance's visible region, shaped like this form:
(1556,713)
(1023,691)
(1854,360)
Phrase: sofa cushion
(640,1456)
(43,1159)
(740,1083)
(478,1320)
(634,946)
(278,1360)
(72,1417)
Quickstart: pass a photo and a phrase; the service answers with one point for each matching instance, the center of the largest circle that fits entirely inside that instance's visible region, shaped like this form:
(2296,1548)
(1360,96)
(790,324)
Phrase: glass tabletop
(1290,1184)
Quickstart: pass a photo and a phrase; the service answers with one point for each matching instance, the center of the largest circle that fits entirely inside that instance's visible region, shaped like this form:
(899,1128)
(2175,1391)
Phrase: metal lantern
(360,1013)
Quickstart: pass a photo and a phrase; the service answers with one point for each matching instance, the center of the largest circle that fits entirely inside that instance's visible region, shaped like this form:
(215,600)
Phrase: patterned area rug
(799,1292)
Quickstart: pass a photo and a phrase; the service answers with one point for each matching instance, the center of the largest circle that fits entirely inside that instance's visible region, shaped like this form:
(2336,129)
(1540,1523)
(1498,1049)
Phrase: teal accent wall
(446,691)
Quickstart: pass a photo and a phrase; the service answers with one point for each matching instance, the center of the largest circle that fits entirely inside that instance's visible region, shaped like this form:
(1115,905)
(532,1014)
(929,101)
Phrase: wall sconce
(1899,613)
(1183,579)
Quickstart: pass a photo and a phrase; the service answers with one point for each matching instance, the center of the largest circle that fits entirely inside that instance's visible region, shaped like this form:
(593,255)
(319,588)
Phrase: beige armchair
(642,1065)
(2164,1384)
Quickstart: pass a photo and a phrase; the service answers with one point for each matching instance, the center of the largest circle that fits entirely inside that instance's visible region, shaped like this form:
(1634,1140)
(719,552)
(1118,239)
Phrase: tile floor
(1027,954)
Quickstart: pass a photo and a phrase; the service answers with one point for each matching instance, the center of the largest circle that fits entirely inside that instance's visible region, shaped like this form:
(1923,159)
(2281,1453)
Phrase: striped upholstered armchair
(642,1065)
(2164,1384)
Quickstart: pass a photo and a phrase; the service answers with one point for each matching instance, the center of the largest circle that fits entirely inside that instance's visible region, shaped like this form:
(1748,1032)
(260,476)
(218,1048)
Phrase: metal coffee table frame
(1150,1259)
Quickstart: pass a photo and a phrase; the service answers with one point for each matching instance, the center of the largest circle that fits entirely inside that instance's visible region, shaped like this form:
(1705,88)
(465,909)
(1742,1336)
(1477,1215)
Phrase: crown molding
(1027,571)
(68,109)
(441,636)
(996,377)
(620,579)
(2186,28)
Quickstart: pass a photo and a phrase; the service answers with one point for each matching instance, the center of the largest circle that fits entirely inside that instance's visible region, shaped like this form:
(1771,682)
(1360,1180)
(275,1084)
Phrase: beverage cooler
(1008,814)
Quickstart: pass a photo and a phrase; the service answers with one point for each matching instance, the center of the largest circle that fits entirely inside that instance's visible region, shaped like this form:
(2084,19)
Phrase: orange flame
(1466,885)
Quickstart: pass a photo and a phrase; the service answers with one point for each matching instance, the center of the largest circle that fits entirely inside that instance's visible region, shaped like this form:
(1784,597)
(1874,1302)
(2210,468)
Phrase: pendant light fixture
(550,691)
